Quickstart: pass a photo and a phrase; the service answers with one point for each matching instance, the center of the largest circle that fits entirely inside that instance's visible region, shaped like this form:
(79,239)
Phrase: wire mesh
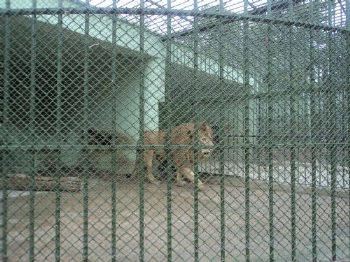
(174,130)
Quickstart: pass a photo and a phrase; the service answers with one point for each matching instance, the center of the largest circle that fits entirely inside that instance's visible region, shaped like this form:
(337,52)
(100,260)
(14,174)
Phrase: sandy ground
(127,222)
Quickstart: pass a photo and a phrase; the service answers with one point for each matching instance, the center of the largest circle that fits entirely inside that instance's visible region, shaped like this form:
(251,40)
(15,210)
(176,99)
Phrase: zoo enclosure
(80,82)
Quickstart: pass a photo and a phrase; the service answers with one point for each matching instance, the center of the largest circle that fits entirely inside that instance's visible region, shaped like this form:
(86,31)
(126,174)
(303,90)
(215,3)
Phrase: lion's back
(155,138)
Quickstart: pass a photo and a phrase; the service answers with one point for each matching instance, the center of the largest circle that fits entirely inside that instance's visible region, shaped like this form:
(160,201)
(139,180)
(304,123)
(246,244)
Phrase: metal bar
(333,152)
(347,37)
(85,153)
(58,134)
(4,151)
(246,134)
(184,147)
(221,141)
(333,129)
(278,5)
(313,126)
(114,139)
(259,140)
(228,17)
(273,93)
(292,148)
(196,151)
(32,132)
(196,198)
(270,142)
(347,16)
(142,129)
(168,138)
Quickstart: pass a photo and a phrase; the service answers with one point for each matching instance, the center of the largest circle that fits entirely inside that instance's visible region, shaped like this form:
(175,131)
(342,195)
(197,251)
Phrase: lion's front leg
(179,180)
(187,172)
(149,167)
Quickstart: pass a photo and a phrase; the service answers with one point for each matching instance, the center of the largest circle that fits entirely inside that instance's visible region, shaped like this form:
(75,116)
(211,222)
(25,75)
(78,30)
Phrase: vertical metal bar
(246,133)
(58,133)
(270,135)
(86,152)
(196,150)
(260,131)
(314,148)
(333,152)
(293,146)
(332,141)
(31,130)
(292,136)
(313,126)
(142,129)
(347,17)
(114,126)
(271,187)
(168,138)
(5,152)
(221,135)
(347,37)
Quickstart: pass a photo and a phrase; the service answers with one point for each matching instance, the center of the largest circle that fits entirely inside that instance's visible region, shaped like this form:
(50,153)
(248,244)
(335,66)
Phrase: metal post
(5,152)
(221,135)
(332,141)
(32,131)
(347,15)
(347,37)
(142,129)
(246,132)
(313,127)
(168,137)
(196,150)
(114,138)
(292,142)
(270,142)
(58,134)
(86,151)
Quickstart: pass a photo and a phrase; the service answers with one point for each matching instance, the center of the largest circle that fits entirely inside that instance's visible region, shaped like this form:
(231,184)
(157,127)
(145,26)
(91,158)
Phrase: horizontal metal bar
(273,94)
(172,147)
(148,11)
(98,148)
(279,5)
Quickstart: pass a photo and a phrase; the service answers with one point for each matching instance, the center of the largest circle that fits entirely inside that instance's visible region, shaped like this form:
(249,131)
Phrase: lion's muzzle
(206,153)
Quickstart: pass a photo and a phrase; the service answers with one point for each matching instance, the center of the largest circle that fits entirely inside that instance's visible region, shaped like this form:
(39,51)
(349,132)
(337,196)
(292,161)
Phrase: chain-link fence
(252,163)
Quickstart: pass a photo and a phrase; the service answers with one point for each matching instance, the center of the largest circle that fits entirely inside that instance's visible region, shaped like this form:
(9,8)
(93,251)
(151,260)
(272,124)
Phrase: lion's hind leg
(188,173)
(149,167)
(179,178)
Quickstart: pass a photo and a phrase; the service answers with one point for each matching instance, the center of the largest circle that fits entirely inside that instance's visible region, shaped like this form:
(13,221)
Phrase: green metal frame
(252,146)
(5,153)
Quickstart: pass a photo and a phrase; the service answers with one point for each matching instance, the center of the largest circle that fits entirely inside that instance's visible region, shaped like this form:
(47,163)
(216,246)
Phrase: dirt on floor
(86,224)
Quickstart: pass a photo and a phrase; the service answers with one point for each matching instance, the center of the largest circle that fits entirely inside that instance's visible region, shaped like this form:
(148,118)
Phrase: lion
(183,159)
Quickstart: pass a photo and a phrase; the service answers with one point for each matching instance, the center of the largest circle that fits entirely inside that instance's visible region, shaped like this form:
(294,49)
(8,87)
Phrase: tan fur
(183,159)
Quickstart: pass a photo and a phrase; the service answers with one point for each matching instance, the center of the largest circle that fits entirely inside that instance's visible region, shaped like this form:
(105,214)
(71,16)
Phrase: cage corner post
(5,150)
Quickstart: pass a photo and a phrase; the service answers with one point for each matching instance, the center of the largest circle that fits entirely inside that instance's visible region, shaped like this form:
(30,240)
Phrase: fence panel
(174,130)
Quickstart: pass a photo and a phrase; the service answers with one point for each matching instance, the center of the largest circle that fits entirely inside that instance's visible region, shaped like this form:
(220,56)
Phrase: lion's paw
(154,181)
(180,183)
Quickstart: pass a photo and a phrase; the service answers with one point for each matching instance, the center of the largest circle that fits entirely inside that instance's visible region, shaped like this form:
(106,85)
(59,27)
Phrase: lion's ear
(190,134)
(203,127)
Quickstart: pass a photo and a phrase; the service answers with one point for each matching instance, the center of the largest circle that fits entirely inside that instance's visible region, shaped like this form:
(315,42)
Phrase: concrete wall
(136,72)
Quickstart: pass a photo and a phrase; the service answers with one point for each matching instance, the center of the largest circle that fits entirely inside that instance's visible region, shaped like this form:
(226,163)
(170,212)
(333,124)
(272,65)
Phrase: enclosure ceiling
(47,34)
(257,8)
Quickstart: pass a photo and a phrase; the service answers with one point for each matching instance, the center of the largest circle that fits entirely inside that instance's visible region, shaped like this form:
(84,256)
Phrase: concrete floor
(155,242)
